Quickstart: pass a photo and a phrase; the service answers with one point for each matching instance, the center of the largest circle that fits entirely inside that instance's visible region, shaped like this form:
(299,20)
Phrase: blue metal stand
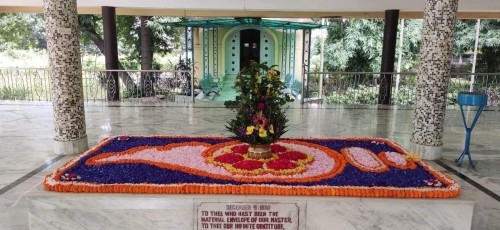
(470,99)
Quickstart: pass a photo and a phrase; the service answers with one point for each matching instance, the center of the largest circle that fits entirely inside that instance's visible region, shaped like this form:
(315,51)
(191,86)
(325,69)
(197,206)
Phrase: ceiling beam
(263,14)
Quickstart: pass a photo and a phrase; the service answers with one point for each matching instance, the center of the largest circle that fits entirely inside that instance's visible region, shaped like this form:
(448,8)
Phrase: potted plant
(260,118)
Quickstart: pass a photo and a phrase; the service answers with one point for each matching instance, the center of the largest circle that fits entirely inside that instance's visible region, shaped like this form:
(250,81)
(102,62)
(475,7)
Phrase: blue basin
(472,99)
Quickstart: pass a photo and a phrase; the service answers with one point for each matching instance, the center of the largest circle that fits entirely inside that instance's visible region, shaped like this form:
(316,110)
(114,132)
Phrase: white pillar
(63,46)
(433,77)
(474,59)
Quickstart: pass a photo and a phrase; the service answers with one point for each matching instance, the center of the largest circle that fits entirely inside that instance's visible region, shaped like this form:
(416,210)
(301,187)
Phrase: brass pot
(260,151)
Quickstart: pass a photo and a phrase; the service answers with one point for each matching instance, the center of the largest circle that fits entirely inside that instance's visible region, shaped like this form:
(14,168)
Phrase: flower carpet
(363,167)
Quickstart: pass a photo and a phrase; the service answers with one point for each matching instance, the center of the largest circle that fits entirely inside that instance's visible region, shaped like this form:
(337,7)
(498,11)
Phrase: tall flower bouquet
(260,119)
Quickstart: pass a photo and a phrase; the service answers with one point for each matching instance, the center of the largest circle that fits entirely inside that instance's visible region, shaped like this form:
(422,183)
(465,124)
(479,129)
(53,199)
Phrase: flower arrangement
(190,165)
(260,117)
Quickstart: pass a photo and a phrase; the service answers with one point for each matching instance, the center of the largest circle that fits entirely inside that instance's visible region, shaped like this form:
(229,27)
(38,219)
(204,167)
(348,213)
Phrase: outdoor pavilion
(439,16)
(439,20)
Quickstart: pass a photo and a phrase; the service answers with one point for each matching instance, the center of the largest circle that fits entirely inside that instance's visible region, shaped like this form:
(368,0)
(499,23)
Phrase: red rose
(261,106)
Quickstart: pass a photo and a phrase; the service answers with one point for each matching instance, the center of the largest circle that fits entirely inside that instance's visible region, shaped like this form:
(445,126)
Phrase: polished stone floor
(26,153)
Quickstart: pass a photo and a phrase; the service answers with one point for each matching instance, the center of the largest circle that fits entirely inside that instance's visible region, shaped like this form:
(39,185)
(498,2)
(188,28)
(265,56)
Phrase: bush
(405,96)
(361,95)
(132,93)
(9,93)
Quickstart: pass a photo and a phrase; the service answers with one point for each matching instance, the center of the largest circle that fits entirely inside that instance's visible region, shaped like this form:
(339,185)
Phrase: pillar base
(71,147)
(427,152)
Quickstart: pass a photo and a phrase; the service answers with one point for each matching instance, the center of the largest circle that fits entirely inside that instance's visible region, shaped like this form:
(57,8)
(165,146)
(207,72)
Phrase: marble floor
(26,154)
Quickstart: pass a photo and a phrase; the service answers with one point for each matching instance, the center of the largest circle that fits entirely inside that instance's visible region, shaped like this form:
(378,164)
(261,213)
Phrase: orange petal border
(452,189)
(409,163)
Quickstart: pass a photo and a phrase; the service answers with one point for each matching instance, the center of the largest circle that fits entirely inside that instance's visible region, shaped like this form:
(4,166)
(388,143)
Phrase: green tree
(138,34)
(139,38)
(488,58)
(143,36)
(412,36)
(21,31)
(355,45)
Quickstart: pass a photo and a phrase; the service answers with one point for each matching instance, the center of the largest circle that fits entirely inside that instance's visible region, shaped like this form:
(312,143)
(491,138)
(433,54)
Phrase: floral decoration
(122,138)
(364,159)
(235,159)
(70,177)
(412,156)
(202,165)
(433,182)
(260,118)
(397,160)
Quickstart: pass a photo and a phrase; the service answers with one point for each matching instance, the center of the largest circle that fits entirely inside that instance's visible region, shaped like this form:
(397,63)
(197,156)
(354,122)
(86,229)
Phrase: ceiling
(265,8)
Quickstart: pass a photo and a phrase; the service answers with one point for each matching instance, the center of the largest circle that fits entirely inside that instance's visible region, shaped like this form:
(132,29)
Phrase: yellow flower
(271,129)
(250,129)
(412,156)
(262,132)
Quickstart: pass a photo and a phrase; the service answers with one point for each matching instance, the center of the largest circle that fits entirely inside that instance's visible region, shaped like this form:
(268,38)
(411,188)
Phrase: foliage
(488,58)
(412,36)
(260,117)
(32,58)
(11,93)
(361,95)
(355,45)
(132,93)
(405,96)
(186,76)
(21,31)
(165,37)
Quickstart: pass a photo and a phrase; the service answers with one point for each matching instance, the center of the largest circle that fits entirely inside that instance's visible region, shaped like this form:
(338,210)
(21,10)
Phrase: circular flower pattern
(284,161)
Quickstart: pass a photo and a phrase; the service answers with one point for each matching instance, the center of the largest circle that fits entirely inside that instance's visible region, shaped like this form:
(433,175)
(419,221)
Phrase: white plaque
(248,215)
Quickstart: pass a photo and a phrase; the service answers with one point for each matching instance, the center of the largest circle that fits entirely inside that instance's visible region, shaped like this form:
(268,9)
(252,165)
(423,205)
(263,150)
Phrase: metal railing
(178,86)
(363,87)
(98,85)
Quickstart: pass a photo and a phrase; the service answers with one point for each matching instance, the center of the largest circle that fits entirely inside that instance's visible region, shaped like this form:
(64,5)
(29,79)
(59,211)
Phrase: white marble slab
(26,137)
(49,210)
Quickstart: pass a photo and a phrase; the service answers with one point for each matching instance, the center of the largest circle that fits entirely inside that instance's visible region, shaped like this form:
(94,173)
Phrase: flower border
(410,164)
(451,189)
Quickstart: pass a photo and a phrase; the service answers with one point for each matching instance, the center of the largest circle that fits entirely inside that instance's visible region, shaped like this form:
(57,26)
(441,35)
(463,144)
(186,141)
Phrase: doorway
(249,47)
